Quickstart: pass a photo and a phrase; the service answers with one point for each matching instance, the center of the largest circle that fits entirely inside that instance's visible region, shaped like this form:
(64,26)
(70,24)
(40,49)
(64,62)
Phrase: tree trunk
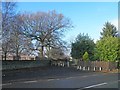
(42,51)
(5,56)
(17,55)
(49,52)
(49,49)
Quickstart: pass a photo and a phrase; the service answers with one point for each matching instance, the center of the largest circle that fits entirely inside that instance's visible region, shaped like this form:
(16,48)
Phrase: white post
(63,64)
(83,68)
(67,63)
(77,67)
(88,68)
(80,67)
(94,68)
(100,68)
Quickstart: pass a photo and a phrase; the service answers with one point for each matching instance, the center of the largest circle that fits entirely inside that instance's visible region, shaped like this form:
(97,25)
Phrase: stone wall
(14,64)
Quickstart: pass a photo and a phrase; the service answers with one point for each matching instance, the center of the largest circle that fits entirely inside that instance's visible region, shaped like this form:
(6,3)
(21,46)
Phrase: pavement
(58,77)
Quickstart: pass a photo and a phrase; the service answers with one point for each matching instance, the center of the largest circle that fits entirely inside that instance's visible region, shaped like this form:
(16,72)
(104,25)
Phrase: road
(59,78)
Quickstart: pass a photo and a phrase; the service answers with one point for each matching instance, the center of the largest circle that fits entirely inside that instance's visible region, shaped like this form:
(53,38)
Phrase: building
(22,57)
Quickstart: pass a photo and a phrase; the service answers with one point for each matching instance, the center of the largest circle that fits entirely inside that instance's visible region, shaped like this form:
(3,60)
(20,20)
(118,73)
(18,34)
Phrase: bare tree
(45,27)
(20,43)
(14,41)
(7,17)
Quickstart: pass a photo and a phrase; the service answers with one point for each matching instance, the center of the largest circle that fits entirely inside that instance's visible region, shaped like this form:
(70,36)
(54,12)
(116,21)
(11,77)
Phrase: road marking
(95,85)
(96,74)
(51,79)
(93,75)
(29,81)
(84,76)
(5,84)
(70,77)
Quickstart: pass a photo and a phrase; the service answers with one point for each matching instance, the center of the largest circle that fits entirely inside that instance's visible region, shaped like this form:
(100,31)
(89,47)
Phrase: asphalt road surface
(58,77)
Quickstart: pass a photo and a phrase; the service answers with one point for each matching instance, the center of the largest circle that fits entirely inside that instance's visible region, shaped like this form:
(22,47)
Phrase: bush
(86,56)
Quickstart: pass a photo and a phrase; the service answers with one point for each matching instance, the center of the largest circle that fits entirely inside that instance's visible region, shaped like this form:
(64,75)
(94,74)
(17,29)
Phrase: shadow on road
(40,73)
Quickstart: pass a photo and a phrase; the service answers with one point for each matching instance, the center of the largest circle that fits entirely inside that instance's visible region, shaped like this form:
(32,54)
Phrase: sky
(86,17)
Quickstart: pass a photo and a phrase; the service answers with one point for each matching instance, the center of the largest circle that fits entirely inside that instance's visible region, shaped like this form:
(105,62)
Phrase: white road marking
(29,81)
(51,79)
(5,84)
(95,74)
(95,85)
(70,77)
(58,79)
(84,76)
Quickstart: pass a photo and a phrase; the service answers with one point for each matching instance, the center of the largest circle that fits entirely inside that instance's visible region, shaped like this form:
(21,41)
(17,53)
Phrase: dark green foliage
(107,49)
(82,44)
(108,30)
(118,51)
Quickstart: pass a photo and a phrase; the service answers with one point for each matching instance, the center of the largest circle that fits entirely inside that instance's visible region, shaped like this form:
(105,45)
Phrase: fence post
(63,64)
(84,68)
(94,65)
(94,68)
(77,67)
(68,64)
(100,68)
(88,68)
(118,65)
